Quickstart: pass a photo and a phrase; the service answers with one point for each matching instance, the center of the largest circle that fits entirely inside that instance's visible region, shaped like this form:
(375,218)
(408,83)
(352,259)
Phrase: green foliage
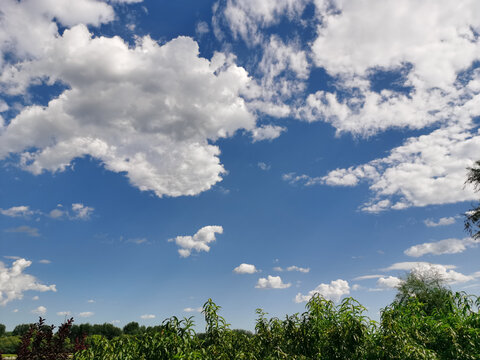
(9,344)
(21,329)
(132,328)
(472,217)
(427,288)
(426,321)
(2,330)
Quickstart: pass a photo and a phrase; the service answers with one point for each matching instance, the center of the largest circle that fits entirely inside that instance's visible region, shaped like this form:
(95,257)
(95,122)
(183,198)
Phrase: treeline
(10,341)
(425,321)
(107,330)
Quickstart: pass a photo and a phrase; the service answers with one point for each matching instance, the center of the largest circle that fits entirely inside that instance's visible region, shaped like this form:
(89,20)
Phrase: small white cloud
(44,261)
(90,301)
(245,269)
(189,309)
(56,213)
(198,242)
(447,246)
(356,287)
(41,310)
(115,322)
(272,282)
(148,316)
(267,132)
(333,291)
(81,211)
(35,298)
(17,211)
(15,310)
(263,166)
(299,269)
(305,180)
(441,222)
(12,257)
(86,314)
(64,313)
(138,241)
(202,28)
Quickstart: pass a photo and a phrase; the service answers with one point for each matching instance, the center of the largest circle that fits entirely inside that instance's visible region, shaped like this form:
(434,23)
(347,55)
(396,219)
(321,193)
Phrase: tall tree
(472,217)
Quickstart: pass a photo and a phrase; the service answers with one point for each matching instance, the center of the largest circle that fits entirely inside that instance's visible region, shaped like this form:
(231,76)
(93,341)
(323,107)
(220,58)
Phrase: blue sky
(155,154)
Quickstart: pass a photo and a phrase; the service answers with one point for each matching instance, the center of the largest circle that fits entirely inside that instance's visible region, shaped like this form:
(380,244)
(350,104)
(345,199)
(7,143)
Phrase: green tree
(132,328)
(472,217)
(21,329)
(429,289)
(2,330)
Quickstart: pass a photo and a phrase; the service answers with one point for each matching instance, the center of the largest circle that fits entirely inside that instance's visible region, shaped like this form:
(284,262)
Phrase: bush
(9,344)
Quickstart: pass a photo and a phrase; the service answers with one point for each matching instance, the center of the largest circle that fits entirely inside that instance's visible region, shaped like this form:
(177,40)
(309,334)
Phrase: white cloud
(292,268)
(126,1)
(303,179)
(64,313)
(333,291)
(35,298)
(267,132)
(13,282)
(25,229)
(426,170)
(16,211)
(245,269)
(56,213)
(41,310)
(447,246)
(189,309)
(138,241)
(390,282)
(198,242)
(409,265)
(441,222)
(148,316)
(81,211)
(44,261)
(425,269)
(27,27)
(246,17)
(263,166)
(272,282)
(161,108)
(86,314)
(367,277)
(90,301)
(298,268)
(202,28)
(357,40)
(437,37)
(15,310)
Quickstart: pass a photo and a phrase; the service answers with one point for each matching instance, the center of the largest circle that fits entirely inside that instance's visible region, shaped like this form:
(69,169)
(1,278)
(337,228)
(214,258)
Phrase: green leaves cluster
(426,321)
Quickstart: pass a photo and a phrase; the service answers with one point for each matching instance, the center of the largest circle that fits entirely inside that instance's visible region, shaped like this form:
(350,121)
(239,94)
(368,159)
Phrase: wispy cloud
(25,229)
